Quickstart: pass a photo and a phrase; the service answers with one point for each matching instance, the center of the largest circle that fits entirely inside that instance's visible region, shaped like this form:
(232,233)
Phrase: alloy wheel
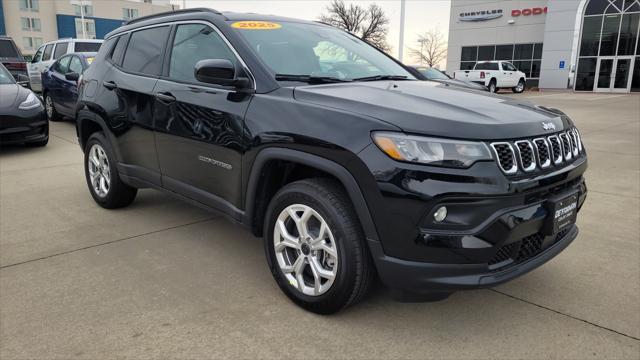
(99,170)
(305,249)
(48,104)
(520,87)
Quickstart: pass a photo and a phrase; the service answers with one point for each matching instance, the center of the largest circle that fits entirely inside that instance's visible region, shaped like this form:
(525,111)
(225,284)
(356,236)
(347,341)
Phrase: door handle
(109,85)
(166,98)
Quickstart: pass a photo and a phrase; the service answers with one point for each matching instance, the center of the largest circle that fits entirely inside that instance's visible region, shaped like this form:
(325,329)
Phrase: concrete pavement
(165,279)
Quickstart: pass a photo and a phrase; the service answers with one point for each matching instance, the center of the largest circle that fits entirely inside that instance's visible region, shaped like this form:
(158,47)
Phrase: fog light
(440,214)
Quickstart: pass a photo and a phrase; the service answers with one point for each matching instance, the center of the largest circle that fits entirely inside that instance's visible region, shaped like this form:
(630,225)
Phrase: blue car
(60,84)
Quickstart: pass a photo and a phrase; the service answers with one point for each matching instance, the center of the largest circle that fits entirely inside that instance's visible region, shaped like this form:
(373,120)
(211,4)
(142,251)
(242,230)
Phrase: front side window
(432,74)
(5,77)
(145,51)
(75,65)
(62,66)
(61,49)
(38,56)
(316,50)
(192,43)
(508,67)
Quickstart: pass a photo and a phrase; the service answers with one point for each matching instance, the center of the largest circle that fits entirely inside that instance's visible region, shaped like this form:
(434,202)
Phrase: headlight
(31,102)
(431,151)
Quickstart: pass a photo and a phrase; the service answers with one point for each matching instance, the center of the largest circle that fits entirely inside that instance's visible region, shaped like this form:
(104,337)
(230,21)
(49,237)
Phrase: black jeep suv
(331,151)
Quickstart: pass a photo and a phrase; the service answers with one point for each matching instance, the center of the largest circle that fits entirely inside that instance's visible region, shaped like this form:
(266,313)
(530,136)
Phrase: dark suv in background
(12,59)
(332,151)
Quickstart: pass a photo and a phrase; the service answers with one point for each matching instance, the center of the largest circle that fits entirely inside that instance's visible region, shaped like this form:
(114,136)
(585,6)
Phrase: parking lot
(162,278)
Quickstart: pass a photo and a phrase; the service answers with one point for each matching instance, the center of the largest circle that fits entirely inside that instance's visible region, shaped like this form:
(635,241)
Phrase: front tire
(519,88)
(105,185)
(50,109)
(315,246)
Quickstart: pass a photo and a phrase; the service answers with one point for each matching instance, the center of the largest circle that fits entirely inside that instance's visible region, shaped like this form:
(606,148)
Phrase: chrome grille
(525,156)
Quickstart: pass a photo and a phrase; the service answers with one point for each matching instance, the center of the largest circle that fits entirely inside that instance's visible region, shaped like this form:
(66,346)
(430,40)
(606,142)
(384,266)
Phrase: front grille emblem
(548,125)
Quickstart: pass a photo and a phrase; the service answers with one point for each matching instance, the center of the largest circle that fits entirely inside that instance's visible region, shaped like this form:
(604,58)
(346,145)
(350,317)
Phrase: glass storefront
(609,56)
(526,58)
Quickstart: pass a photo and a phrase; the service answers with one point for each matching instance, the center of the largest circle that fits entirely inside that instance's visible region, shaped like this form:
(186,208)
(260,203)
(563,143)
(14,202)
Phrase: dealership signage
(528,12)
(481,15)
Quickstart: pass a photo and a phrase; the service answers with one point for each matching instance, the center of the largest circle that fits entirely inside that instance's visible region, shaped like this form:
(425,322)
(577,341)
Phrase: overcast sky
(421,15)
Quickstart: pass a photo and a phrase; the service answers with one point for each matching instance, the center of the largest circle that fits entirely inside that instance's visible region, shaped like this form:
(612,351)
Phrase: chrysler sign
(481,15)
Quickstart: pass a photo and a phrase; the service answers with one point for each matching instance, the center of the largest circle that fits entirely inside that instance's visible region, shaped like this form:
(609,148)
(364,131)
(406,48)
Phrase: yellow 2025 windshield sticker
(256,25)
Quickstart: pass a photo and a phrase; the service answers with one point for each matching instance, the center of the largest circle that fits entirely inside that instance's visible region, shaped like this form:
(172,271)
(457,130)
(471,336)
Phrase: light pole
(401,45)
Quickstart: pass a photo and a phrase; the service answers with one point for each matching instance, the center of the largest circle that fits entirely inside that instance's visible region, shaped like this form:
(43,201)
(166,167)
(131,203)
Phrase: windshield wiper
(310,79)
(381,77)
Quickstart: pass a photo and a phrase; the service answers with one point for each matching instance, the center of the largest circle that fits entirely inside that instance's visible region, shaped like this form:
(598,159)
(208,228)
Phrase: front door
(199,127)
(614,74)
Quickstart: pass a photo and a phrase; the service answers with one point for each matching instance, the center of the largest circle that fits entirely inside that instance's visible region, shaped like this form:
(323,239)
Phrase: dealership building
(584,45)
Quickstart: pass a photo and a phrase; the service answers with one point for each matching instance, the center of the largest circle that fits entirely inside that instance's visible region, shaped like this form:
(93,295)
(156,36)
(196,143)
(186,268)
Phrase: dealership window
(29,5)
(610,29)
(30,24)
(526,57)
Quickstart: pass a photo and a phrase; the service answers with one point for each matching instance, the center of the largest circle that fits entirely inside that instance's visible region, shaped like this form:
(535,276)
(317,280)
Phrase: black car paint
(328,128)
(20,126)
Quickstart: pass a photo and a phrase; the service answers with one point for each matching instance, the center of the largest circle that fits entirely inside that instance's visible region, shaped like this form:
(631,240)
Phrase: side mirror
(72,76)
(218,72)
(23,81)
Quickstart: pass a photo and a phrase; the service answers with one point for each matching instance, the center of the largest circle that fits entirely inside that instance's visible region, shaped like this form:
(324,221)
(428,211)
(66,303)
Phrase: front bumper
(496,228)
(31,127)
(429,277)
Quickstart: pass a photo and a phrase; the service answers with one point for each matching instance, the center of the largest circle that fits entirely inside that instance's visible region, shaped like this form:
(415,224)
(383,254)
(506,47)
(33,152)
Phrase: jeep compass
(346,165)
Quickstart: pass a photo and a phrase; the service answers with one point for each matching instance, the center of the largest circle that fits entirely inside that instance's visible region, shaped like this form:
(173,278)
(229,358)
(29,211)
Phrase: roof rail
(173,12)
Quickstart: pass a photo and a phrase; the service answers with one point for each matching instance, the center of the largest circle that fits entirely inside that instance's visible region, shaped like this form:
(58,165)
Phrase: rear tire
(302,268)
(492,86)
(100,168)
(50,109)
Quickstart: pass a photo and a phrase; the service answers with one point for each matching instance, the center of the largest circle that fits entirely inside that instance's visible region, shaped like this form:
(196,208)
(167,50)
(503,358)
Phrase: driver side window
(192,43)
(62,66)
(508,67)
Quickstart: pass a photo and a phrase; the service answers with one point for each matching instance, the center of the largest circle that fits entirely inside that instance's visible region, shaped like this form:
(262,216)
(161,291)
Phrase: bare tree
(369,24)
(432,48)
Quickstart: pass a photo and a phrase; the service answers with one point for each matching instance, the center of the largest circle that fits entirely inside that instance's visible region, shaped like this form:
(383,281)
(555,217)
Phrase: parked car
(60,84)
(433,74)
(22,118)
(330,150)
(12,59)
(54,50)
(494,75)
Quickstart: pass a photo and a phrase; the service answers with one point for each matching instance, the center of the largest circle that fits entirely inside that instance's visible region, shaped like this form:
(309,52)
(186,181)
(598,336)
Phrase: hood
(430,108)
(8,95)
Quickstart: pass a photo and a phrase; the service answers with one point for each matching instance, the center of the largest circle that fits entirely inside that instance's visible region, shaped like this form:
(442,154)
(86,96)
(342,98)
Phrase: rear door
(199,126)
(129,99)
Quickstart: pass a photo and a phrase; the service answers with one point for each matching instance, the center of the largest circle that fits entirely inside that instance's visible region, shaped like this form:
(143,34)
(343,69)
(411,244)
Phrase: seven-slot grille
(539,153)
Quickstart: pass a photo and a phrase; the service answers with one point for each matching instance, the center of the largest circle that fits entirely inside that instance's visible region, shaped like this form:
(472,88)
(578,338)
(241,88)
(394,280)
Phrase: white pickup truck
(494,75)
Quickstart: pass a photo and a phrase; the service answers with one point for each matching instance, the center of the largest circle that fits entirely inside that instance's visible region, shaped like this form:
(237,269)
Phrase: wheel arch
(87,123)
(255,205)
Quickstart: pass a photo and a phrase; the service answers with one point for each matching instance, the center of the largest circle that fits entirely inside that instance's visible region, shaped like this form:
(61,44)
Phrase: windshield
(5,76)
(290,48)
(432,74)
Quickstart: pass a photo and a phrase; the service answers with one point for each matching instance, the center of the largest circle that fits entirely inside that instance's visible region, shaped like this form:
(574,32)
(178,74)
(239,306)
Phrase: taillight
(481,74)
(21,66)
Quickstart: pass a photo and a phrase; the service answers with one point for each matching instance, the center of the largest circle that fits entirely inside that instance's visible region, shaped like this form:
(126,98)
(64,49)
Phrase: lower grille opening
(523,250)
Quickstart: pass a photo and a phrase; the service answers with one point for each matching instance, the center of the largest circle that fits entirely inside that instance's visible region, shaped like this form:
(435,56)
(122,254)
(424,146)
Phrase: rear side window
(118,50)
(487,66)
(145,51)
(87,47)
(192,43)
(61,49)
(47,52)
(7,50)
